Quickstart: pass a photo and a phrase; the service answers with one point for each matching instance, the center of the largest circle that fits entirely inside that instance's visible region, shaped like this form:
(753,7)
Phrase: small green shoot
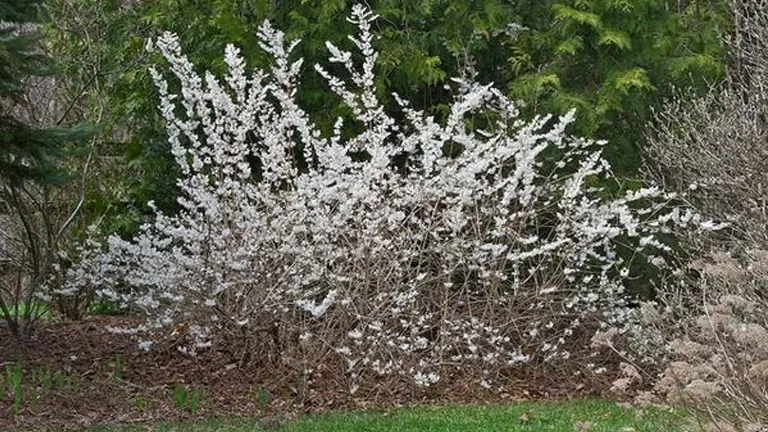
(14,376)
(43,377)
(61,381)
(194,400)
(34,398)
(262,396)
(186,400)
(180,397)
(46,381)
(117,368)
(141,402)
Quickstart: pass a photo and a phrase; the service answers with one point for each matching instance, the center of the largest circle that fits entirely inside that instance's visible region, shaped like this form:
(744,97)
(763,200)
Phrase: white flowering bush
(494,255)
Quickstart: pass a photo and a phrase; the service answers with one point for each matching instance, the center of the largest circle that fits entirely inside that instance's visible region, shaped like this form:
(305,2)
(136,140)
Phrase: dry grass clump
(718,351)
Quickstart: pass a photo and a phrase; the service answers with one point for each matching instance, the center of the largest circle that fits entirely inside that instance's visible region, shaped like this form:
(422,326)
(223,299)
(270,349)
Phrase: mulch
(110,381)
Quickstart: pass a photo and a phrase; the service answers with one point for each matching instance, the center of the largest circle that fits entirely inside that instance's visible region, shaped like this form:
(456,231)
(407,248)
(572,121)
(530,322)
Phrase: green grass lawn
(570,416)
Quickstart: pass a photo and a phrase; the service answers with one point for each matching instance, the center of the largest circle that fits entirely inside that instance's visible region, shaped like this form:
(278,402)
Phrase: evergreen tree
(37,211)
(27,152)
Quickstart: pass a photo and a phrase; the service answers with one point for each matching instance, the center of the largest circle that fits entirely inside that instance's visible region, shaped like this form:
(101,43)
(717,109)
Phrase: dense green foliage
(615,60)
(611,59)
(27,151)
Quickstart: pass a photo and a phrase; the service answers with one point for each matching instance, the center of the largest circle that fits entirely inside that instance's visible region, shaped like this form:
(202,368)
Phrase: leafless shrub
(34,239)
(714,152)
(714,149)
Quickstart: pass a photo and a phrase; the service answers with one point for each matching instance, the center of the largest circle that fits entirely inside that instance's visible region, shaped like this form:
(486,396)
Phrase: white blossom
(384,264)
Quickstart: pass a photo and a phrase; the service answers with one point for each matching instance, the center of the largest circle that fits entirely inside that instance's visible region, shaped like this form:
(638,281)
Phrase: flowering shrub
(402,243)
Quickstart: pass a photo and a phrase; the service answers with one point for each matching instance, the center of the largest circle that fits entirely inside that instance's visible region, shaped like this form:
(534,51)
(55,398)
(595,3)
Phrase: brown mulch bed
(100,378)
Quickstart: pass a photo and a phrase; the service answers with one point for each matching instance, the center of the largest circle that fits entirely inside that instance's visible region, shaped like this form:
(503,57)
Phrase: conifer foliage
(26,151)
(28,164)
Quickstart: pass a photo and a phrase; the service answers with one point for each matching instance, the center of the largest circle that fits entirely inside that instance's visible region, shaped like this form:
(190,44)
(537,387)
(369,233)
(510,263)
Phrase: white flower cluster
(383,246)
